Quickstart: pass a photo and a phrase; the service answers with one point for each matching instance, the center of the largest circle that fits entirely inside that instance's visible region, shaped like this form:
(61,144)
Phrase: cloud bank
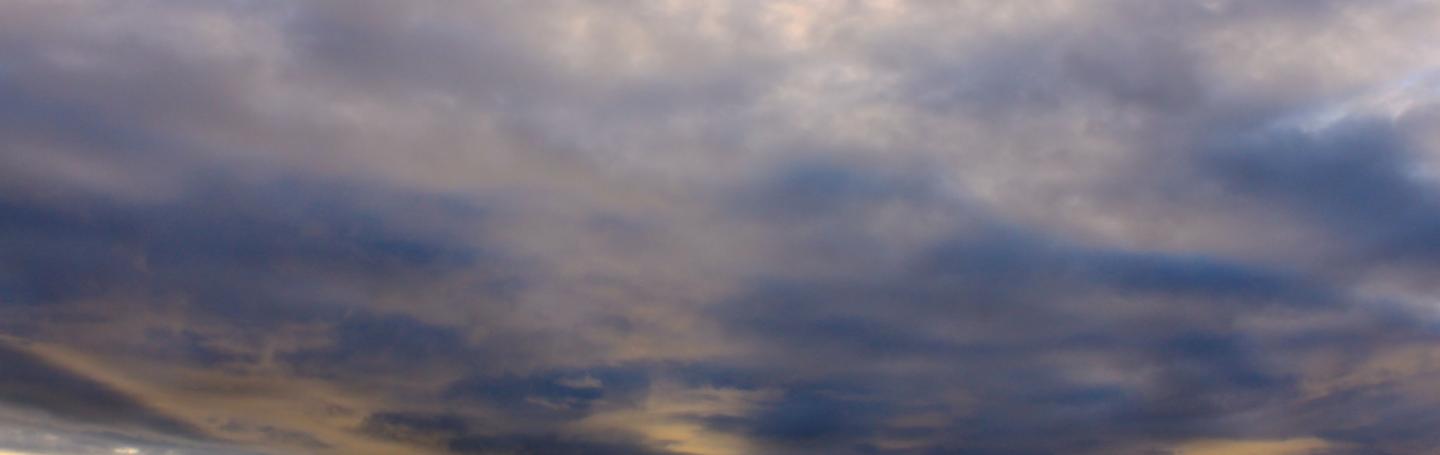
(710,228)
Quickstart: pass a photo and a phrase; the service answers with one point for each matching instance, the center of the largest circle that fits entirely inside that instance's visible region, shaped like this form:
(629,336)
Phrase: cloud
(1357,176)
(32,382)
(1288,446)
(791,227)
(454,434)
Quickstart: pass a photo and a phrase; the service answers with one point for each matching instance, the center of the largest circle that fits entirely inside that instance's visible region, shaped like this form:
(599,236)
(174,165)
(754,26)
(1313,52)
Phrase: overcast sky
(696,227)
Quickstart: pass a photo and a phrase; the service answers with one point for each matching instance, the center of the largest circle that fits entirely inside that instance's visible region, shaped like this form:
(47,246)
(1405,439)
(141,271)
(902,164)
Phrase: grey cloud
(714,228)
(416,427)
(554,393)
(994,311)
(30,381)
(1356,178)
(224,227)
(543,444)
(456,434)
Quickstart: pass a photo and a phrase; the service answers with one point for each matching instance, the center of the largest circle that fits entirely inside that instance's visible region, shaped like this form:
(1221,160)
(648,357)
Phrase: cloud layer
(710,228)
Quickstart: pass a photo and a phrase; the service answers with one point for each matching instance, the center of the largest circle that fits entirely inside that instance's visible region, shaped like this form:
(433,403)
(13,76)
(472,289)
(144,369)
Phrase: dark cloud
(272,434)
(374,344)
(189,346)
(416,427)
(818,187)
(30,381)
(814,416)
(555,394)
(1356,178)
(222,246)
(994,311)
(456,434)
(545,444)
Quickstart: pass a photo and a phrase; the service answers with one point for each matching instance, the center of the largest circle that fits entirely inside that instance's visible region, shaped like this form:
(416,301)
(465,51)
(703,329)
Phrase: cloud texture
(708,228)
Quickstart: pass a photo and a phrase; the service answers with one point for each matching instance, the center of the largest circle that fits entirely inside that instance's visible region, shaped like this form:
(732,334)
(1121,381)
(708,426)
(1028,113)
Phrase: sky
(730,227)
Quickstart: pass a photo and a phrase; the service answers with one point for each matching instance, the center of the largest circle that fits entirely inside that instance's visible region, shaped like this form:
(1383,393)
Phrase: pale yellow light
(1296,446)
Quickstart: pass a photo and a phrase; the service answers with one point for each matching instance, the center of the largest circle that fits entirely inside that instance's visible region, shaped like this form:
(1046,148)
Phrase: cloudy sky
(685,227)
